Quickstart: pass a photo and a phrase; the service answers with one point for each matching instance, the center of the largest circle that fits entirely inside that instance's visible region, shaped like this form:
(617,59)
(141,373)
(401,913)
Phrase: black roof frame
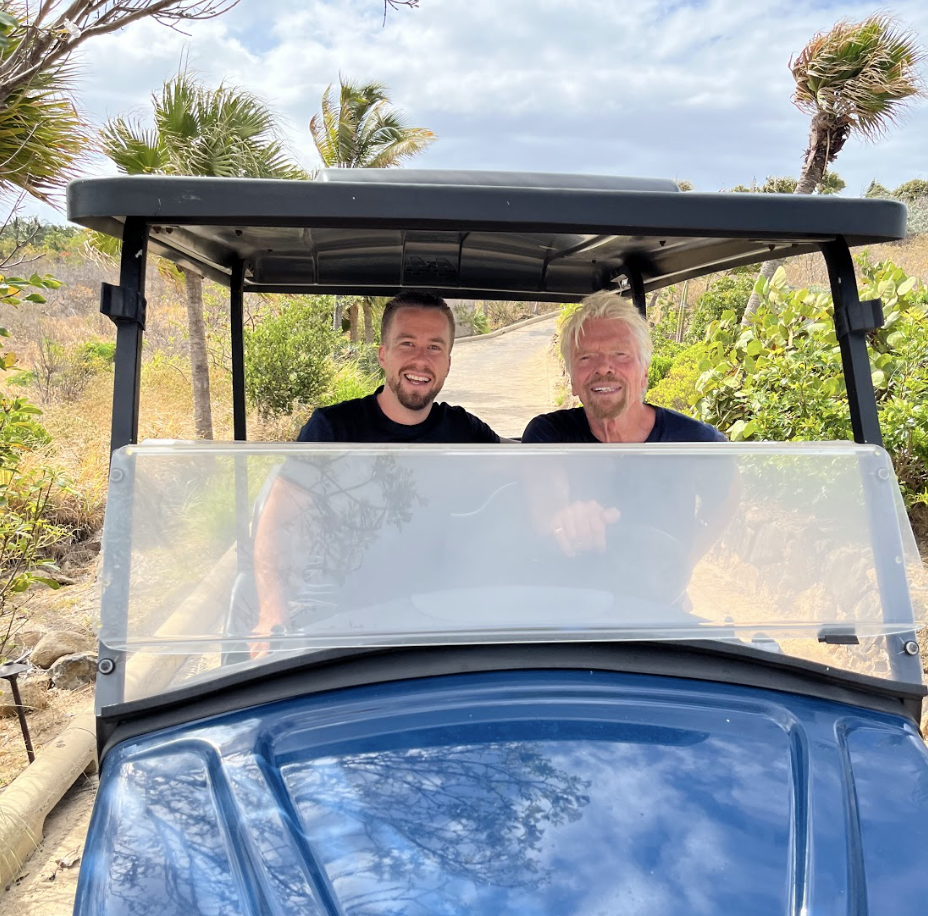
(639,219)
(211,224)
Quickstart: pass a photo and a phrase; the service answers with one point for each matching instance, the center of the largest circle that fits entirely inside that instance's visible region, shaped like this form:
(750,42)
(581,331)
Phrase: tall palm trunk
(368,308)
(353,323)
(199,362)
(825,142)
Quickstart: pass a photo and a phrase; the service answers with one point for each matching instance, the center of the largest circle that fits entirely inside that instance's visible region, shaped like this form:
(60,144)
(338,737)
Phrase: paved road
(505,380)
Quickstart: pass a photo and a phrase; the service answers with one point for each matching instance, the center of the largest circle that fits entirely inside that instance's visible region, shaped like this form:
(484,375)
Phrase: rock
(56,644)
(73,671)
(33,691)
(27,639)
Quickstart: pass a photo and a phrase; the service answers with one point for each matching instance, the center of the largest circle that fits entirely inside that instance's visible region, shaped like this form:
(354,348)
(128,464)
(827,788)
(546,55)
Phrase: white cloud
(696,89)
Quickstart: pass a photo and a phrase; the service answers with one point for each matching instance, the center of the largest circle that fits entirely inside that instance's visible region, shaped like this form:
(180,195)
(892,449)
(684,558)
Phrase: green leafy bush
(25,487)
(62,372)
(780,377)
(288,356)
(481,323)
(351,380)
(97,354)
(660,366)
(677,387)
(729,292)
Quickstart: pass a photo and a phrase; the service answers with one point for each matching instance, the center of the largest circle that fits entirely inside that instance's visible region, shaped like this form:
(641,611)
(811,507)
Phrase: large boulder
(73,671)
(33,691)
(58,643)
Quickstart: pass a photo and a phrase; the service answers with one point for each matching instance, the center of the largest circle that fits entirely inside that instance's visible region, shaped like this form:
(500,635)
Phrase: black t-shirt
(362,420)
(572,426)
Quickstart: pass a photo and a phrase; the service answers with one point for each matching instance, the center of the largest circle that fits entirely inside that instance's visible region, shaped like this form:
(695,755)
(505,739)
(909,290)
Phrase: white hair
(611,305)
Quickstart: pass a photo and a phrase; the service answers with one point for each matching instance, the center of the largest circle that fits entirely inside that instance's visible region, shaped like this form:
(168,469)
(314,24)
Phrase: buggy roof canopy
(467,234)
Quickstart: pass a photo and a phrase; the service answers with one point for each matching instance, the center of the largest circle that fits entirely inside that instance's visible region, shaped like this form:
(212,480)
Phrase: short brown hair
(414,299)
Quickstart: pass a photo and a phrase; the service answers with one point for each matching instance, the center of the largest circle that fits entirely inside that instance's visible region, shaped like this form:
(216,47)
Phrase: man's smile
(415,378)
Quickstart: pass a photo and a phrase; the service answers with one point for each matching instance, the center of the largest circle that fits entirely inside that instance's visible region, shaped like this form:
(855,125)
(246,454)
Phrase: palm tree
(41,134)
(853,80)
(225,133)
(359,129)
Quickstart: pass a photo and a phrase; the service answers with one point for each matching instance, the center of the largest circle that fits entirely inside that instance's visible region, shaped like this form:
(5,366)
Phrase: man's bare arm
(278,528)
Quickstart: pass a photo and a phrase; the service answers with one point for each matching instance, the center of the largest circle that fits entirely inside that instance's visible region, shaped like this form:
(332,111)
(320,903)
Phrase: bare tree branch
(43,47)
(396,4)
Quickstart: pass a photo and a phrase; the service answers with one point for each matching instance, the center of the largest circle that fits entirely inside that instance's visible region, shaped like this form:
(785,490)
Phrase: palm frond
(359,128)
(859,75)
(225,133)
(134,150)
(41,135)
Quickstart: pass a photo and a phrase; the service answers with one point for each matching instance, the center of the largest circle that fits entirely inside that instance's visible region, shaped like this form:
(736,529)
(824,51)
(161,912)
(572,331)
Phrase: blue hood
(538,793)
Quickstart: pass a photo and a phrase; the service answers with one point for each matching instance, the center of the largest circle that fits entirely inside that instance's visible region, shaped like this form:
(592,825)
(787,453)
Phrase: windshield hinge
(859,316)
(837,638)
(120,305)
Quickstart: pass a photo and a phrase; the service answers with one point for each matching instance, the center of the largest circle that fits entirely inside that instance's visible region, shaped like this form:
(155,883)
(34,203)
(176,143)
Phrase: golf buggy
(718,714)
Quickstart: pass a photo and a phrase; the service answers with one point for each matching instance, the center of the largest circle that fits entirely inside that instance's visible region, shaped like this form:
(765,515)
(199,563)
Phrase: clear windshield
(236,554)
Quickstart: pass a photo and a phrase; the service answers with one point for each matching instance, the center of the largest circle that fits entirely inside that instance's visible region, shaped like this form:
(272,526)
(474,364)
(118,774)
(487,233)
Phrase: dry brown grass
(911,255)
(80,432)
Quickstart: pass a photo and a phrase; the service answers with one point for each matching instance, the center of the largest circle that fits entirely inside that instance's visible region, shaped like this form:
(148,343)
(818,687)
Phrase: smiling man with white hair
(606,345)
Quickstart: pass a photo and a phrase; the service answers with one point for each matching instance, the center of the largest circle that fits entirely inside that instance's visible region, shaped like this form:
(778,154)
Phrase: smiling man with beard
(606,346)
(417,333)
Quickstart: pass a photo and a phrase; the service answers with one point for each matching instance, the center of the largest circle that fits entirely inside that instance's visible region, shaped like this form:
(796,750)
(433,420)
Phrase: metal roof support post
(236,316)
(243,546)
(125,306)
(853,319)
(636,282)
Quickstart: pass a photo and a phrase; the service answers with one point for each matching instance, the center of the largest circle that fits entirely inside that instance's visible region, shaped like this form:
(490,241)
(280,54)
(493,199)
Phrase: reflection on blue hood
(530,793)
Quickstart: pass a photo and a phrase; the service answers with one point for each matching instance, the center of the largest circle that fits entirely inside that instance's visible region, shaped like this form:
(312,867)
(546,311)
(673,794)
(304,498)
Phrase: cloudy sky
(694,89)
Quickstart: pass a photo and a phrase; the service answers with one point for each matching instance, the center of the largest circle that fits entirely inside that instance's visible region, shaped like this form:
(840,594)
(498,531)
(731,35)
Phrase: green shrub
(780,378)
(289,356)
(25,488)
(677,388)
(62,372)
(97,354)
(725,293)
(350,381)
(660,366)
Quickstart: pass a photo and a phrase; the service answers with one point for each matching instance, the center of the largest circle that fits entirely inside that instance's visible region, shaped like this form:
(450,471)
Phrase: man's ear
(380,350)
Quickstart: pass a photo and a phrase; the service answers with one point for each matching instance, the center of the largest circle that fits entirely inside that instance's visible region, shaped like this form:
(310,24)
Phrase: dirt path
(48,881)
(505,380)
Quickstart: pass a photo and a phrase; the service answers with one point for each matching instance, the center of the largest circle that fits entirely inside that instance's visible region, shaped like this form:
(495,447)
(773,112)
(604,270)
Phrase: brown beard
(612,411)
(415,399)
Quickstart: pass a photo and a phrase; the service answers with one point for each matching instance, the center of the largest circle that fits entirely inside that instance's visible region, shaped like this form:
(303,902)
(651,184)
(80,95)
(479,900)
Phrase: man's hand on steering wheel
(582,525)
